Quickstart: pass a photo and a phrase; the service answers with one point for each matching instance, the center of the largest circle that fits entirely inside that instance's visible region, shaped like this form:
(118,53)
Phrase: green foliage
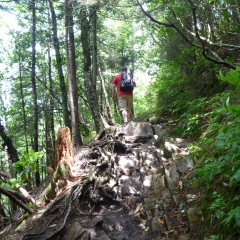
(88,138)
(183,87)
(28,161)
(13,182)
(233,214)
(214,237)
(144,95)
(27,164)
(218,151)
(118,118)
(233,77)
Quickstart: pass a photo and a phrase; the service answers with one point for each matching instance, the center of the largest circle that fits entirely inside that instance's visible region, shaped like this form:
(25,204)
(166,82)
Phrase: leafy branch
(207,52)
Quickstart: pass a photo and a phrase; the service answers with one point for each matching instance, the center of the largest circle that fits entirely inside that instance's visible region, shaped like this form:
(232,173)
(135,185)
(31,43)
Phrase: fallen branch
(14,199)
(4,174)
(24,192)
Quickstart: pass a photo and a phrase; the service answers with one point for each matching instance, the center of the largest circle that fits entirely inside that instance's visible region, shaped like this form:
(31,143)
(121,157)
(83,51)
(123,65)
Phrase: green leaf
(235,178)
(237,216)
(225,13)
(233,214)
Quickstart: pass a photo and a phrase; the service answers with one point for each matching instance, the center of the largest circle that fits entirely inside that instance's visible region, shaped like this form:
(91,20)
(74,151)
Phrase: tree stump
(61,173)
(64,150)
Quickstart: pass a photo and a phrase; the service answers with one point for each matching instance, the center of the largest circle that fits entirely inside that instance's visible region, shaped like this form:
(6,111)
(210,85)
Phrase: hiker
(125,93)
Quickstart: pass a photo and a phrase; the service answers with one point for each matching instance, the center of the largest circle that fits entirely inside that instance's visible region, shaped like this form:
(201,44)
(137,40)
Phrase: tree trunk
(59,65)
(64,149)
(61,173)
(94,47)
(2,212)
(7,143)
(71,67)
(49,119)
(107,104)
(23,103)
(88,83)
(34,88)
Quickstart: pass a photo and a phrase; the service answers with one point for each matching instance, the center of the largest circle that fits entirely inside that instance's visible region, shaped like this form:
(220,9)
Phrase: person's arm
(114,86)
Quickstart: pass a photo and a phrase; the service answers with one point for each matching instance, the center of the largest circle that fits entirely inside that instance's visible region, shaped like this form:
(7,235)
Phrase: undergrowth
(212,121)
(218,154)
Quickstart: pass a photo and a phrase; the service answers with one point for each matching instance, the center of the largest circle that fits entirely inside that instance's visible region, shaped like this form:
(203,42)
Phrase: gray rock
(158,182)
(149,160)
(75,232)
(194,217)
(160,131)
(138,129)
(147,181)
(184,237)
(130,185)
(121,237)
(126,161)
(172,177)
(168,223)
(157,224)
(185,165)
(102,235)
(149,203)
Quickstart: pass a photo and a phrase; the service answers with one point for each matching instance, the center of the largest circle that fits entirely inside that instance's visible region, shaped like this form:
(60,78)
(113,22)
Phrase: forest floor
(132,183)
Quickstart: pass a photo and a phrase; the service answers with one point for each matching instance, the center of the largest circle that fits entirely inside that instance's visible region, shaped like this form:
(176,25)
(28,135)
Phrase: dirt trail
(134,185)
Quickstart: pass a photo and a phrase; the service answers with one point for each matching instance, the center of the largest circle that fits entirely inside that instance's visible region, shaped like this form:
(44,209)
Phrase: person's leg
(125,116)
(129,105)
(128,115)
(122,102)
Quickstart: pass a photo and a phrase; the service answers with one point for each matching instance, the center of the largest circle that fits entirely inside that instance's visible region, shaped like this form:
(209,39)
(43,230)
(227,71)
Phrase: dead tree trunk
(61,173)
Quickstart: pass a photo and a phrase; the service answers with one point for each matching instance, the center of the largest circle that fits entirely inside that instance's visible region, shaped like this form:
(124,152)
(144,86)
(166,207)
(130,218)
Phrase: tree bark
(88,82)
(49,118)
(64,149)
(14,199)
(61,173)
(23,102)
(7,142)
(2,212)
(71,67)
(26,195)
(94,46)
(59,64)
(107,104)
(34,88)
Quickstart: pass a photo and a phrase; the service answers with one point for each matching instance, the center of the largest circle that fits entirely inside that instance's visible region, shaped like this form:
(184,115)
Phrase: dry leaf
(138,208)
(111,228)
(166,232)
(160,221)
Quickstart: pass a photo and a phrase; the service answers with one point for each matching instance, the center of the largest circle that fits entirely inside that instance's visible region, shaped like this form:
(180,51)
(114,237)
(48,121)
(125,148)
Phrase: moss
(88,138)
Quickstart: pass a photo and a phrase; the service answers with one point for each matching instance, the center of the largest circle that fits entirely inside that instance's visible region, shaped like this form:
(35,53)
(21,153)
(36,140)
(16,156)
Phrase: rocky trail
(131,183)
